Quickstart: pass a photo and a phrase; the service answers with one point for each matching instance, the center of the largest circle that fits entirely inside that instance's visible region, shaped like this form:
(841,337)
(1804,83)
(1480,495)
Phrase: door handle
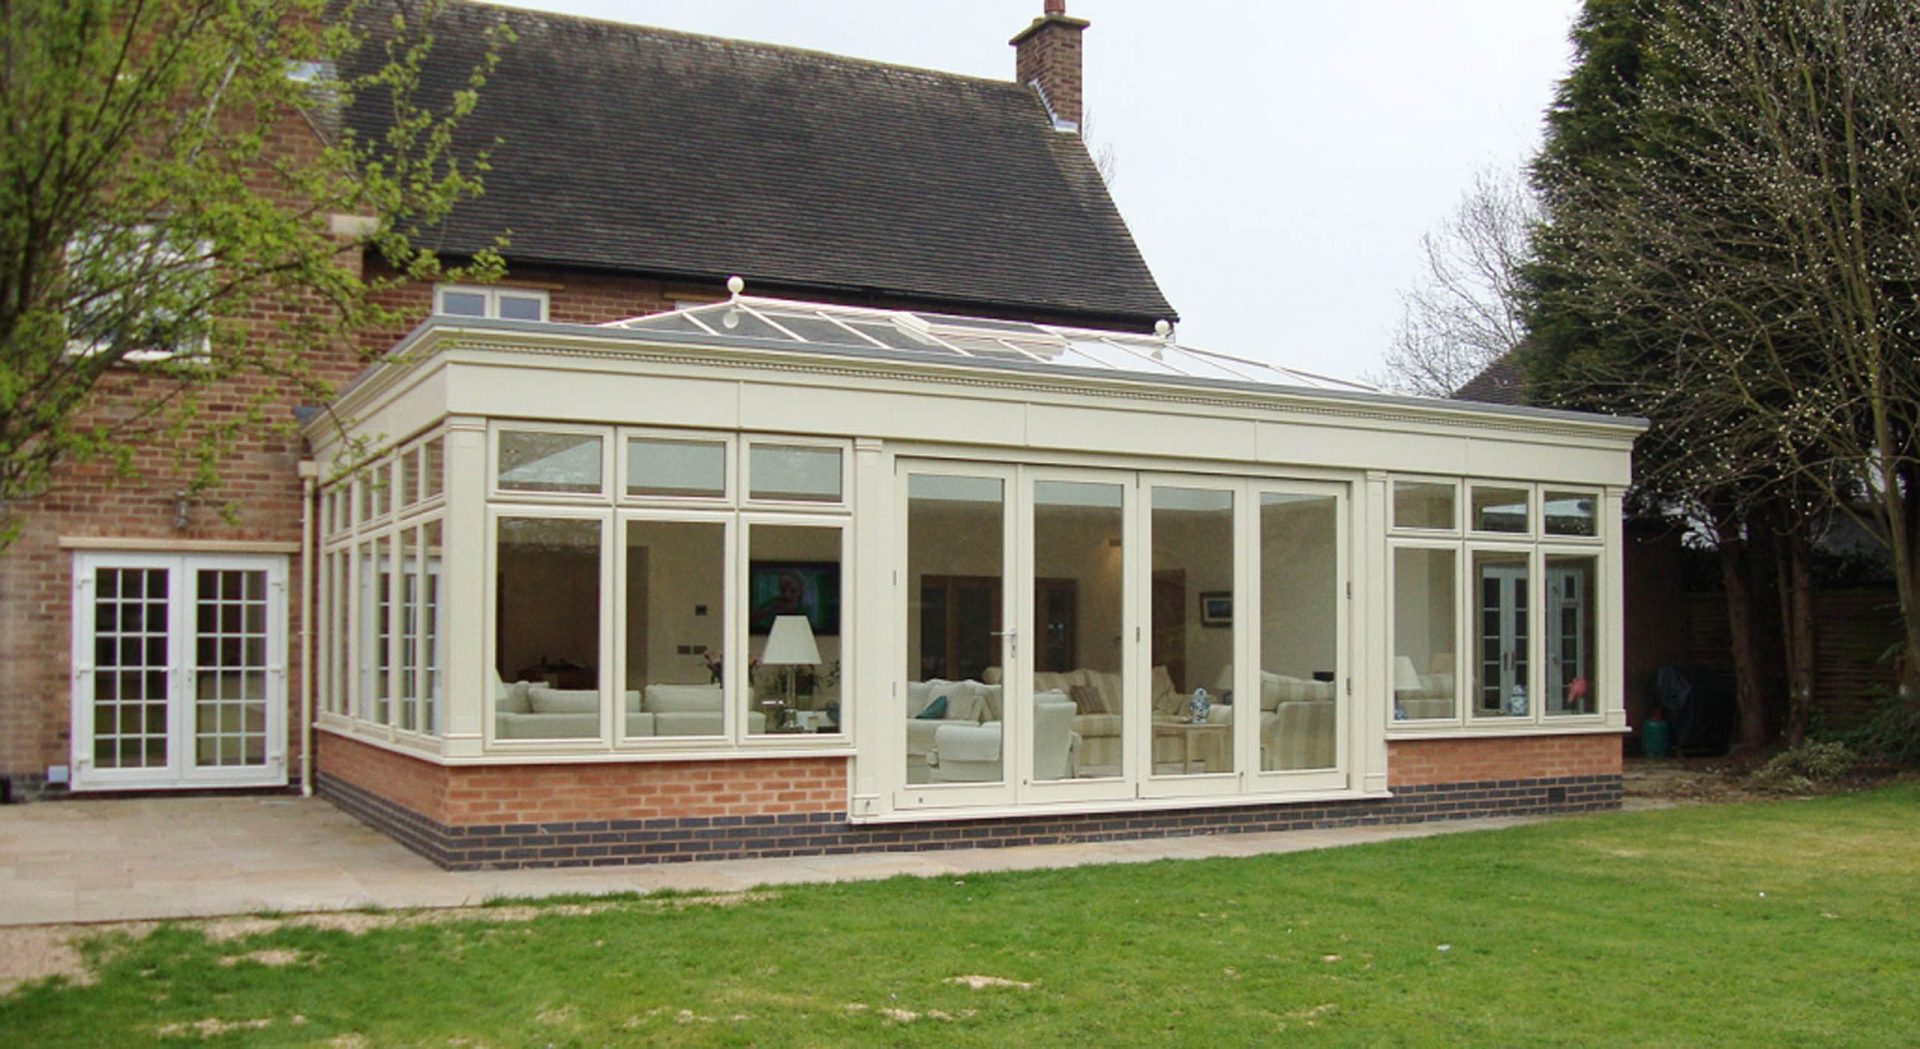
(1013,640)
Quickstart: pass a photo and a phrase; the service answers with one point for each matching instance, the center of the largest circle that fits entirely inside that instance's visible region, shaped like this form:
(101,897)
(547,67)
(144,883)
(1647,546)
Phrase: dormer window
(512,304)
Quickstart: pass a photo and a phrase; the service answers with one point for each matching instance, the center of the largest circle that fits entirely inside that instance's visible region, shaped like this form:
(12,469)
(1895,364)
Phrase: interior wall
(1202,544)
(1300,578)
(1423,611)
(549,608)
(947,538)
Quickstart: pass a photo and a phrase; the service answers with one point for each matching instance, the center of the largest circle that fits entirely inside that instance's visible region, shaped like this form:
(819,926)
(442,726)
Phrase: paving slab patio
(198,857)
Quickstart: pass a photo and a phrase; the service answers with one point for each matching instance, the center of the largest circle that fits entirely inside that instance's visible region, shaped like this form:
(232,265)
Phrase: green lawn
(1788,923)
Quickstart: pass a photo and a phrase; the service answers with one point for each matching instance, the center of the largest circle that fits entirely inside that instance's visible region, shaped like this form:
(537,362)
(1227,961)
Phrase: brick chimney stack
(1047,56)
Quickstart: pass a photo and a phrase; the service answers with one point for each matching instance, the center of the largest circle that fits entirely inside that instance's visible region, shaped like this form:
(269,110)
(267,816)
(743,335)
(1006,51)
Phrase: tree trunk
(1749,696)
(1907,583)
(1795,579)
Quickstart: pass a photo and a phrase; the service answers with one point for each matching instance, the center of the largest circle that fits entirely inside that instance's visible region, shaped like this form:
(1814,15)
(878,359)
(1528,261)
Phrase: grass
(1786,923)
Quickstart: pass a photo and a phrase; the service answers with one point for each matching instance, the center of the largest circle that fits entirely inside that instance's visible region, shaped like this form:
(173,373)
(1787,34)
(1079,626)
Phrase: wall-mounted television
(793,588)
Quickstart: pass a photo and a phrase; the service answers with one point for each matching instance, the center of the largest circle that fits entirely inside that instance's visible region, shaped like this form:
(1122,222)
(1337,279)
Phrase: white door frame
(180,770)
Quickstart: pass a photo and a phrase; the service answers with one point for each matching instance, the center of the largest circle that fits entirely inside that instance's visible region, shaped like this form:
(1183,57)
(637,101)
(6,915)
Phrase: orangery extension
(928,531)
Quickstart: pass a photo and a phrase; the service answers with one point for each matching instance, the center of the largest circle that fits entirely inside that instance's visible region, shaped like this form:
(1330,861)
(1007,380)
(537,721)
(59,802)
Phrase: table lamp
(790,644)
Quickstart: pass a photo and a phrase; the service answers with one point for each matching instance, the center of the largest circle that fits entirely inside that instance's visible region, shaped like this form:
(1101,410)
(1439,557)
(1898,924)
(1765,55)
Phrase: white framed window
(789,470)
(468,300)
(1500,509)
(676,465)
(161,322)
(1424,504)
(551,461)
(1570,513)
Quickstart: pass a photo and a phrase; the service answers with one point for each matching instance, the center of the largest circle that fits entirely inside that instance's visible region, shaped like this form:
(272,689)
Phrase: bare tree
(1757,256)
(1464,313)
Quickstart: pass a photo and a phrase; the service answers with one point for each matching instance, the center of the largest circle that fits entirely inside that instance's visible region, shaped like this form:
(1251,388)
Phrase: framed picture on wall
(794,588)
(1216,608)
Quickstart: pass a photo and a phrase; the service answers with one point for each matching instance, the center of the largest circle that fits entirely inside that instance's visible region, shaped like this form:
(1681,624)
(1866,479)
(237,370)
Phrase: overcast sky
(1277,160)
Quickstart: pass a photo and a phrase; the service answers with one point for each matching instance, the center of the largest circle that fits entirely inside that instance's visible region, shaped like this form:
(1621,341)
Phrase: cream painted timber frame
(1349,722)
(348,529)
(740,568)
(1137,780)
(614,505)
(463,373)
(624,438)
(1604,545)
(604,646)
(498,428)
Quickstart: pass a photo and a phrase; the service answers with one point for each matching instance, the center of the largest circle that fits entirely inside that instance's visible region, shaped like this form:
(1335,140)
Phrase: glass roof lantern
(956,340)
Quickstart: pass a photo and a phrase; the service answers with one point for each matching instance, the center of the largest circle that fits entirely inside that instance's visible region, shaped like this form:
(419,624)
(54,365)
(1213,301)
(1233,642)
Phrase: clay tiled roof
(642,150)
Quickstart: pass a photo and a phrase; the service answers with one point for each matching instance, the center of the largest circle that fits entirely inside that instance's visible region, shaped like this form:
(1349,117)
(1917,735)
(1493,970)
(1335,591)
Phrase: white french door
(179,671)
(1503,684)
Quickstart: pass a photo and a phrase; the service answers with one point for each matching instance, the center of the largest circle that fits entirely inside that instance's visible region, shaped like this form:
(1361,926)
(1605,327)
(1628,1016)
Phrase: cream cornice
(434,344)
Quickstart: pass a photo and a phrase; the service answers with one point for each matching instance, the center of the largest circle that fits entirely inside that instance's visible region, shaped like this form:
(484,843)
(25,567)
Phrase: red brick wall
(492,794)
(1426,761)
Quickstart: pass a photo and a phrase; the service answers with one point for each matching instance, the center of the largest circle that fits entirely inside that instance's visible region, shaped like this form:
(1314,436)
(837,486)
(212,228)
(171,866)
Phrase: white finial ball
(735,285)
(1162,328)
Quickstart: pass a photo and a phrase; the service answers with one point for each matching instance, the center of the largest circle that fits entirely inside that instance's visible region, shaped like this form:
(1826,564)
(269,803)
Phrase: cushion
(546,700)
(1108,682)
(1162,685)
(989,702)
(511,699)
(990,676)
(919,694)
(934,711)
(683,699)
(1087,700)
(964,702)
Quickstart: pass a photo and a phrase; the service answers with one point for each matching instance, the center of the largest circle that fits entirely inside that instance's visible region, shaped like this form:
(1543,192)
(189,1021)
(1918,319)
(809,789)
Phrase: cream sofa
(964,753)
(968,703)
(1298,724)
(527,710)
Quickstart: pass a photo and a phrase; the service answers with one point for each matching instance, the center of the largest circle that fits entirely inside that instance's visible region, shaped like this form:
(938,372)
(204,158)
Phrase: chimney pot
(1047,57)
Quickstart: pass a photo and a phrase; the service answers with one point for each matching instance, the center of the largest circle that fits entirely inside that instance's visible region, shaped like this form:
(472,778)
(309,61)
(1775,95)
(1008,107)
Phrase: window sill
(1584,726)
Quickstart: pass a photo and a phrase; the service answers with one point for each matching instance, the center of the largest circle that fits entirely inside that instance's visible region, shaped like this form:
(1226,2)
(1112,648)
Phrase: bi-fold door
(179,671)
(1059,624)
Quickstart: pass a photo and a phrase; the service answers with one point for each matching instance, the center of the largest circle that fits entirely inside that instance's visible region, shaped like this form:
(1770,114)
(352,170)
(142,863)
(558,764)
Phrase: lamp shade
(1405,678)
(790,643)
(1224,683)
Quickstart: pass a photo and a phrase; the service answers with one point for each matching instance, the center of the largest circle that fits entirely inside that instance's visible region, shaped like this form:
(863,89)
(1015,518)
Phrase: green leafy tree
(182,207)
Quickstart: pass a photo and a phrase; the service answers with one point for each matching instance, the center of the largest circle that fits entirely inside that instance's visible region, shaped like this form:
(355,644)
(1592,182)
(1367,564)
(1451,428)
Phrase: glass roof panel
(987,340)
(945,320)
(893,336)
(817,329)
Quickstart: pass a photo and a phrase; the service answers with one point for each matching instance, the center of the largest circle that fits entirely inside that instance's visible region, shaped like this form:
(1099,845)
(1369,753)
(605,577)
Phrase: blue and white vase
(1517,702)
(1198,706)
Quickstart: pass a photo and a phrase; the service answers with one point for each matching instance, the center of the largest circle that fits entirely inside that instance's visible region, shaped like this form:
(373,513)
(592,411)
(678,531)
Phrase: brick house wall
(505,816)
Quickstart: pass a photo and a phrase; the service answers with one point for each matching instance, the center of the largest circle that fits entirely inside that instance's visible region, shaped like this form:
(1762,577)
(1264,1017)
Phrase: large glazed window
(1078,655)
(1572,582)
(547,628)
(1191,616)
(956,547)
(1298,705)
(1425,638)
(794,626)
(676,593)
